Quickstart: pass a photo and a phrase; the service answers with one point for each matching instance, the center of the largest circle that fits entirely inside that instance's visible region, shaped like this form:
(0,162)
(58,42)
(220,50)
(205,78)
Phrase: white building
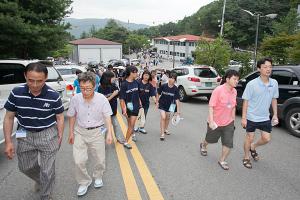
(94,49)
(182,45)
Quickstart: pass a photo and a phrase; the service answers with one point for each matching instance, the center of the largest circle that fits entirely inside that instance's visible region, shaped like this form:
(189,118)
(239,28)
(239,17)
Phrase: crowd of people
(92,118)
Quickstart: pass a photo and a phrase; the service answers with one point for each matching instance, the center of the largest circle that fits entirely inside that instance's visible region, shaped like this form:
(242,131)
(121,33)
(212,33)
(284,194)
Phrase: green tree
(294,51)
(277,47)
(84,35)
(64,52)
(32,29)
(215,54)
(288,24)
(136,42)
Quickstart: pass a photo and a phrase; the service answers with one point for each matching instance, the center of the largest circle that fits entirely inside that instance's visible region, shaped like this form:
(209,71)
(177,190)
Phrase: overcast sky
(150,12)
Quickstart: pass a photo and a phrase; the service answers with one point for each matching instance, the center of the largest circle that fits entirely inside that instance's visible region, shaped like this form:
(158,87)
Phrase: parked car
(288,78)
(12,75)
(135,61)
(235,65)
(193,80)
(68,73)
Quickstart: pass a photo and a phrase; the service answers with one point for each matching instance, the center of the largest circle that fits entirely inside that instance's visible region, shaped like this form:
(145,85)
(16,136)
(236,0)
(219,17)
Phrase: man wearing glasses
(87,113)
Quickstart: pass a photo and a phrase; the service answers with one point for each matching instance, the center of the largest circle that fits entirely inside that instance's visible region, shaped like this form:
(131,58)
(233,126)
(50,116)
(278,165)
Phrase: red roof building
(183,46)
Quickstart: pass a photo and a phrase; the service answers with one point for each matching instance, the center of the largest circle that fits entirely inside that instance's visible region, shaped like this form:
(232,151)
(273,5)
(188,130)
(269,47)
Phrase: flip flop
(223,165)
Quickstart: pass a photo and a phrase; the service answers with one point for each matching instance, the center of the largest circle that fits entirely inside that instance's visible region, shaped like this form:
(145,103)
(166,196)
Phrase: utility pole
(222,21)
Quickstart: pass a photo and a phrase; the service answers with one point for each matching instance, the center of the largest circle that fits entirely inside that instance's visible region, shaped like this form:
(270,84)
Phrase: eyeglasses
(86,89)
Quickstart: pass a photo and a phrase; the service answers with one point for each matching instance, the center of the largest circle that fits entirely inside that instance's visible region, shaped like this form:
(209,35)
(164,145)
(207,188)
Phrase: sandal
(203,151)
(162,137)
(254,154)
(224,165)
(247,163)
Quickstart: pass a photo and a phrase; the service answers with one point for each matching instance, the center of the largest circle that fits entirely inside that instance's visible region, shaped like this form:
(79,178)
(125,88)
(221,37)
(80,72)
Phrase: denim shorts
(263,126)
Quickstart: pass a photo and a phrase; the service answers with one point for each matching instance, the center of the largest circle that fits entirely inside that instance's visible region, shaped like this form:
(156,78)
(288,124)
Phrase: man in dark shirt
(39,111)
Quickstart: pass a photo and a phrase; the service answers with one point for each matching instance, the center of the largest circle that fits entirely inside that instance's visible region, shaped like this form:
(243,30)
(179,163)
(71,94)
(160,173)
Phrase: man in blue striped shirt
(39,111)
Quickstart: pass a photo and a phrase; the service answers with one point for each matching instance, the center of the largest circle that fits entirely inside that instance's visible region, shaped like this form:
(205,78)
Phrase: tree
(215,54)
(277,46)
(294,51)
(84,35)
(31,29)
(64,52)
(288,24)
(136,42)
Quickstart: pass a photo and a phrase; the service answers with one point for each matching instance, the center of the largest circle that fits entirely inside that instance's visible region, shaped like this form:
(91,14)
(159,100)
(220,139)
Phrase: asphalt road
(176,166)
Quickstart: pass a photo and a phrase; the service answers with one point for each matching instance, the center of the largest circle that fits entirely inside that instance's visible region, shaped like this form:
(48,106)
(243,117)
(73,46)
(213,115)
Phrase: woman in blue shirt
(146,91)
(168,102)
(130,101)
(110,90)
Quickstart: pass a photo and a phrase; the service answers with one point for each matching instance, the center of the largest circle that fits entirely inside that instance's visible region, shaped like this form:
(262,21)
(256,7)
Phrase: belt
(91,128)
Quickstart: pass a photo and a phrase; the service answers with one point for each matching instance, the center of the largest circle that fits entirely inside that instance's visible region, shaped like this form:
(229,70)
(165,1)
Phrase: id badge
(130,106)
(229,105)
(21,133)
(172,107)
(103,130)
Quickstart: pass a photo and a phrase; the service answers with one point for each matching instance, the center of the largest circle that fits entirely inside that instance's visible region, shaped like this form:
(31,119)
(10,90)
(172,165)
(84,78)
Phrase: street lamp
(173,40)
(258,16)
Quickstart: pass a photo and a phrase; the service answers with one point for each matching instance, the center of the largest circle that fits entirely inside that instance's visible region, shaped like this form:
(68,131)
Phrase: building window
(177,53)
(182,54)
(182,43)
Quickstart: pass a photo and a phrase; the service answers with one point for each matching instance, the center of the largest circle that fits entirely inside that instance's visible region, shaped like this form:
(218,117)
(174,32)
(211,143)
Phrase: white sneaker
(98,183)
(142,130)
(82,190)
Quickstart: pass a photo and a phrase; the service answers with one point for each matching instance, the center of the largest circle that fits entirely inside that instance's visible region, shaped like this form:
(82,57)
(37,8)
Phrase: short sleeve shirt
(223,102)
(146,91)
(34,113)
(77,86)
(168,96)
(129,92)
(92,113)
(259,96)
(107,92)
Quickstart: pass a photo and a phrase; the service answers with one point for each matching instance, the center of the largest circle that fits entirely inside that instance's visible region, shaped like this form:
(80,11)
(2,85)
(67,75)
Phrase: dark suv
(288,78)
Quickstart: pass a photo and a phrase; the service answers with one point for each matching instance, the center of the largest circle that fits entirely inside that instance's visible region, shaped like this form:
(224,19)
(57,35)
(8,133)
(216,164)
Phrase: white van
(12,75)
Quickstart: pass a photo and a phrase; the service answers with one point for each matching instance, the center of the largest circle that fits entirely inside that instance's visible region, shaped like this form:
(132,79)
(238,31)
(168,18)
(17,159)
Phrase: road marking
(150,184)
(131,187)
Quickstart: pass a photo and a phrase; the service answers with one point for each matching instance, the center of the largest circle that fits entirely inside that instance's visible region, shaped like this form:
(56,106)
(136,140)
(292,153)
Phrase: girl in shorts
(108,87)
(146,91)
(130,101)
(168,103)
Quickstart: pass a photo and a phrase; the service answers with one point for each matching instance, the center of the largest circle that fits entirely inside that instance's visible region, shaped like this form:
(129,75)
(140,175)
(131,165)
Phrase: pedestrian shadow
(197,100)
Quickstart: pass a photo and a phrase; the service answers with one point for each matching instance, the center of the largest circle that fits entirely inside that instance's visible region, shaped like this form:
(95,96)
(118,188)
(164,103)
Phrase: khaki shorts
(225,132)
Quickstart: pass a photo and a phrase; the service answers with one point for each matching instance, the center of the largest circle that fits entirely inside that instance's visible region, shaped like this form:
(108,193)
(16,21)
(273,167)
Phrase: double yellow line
(131,187)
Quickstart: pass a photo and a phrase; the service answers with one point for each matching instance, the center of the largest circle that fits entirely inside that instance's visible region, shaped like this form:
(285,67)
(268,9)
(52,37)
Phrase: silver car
(12,75)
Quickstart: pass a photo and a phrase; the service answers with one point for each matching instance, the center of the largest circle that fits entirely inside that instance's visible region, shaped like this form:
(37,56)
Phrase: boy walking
(221,117)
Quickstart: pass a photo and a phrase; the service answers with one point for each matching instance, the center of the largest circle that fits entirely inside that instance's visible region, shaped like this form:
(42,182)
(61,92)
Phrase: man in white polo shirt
(258,96)
(88,112)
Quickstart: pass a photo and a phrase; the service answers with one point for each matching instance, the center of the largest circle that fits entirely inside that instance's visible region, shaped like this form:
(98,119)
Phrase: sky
(150,12)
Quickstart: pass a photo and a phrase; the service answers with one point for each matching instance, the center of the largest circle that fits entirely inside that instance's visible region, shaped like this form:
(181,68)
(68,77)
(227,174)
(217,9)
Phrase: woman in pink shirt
(221,117)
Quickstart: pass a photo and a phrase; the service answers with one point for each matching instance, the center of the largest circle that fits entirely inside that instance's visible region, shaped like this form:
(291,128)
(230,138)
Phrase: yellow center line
(150,184)
(131,187)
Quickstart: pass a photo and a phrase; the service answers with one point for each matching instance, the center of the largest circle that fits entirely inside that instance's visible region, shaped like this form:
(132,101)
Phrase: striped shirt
(34,113)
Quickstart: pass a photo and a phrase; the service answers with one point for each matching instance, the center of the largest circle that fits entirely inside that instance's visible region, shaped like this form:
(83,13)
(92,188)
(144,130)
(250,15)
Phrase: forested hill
(239,26)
